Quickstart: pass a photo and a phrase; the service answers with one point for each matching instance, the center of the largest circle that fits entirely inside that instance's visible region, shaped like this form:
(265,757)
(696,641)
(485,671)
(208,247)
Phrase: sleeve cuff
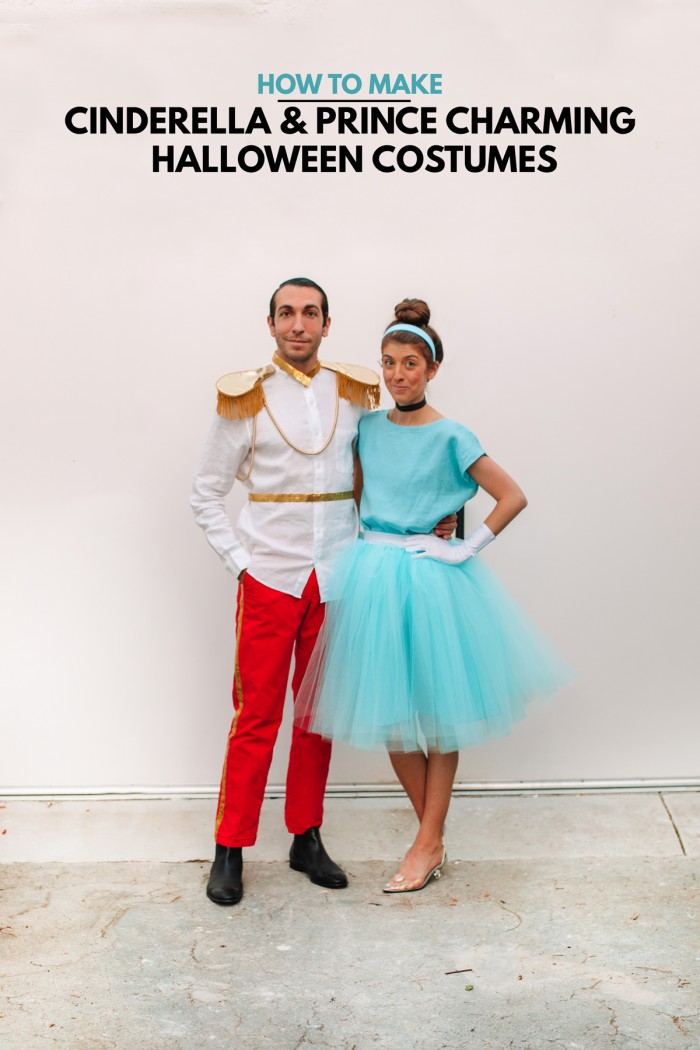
(237,564)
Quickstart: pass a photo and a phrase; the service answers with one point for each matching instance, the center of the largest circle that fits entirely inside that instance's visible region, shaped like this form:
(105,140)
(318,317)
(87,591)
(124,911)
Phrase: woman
(422,652)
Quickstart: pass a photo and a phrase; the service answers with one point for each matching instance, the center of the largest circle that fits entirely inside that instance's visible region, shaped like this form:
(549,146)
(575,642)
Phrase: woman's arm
(509,497)
(510,500)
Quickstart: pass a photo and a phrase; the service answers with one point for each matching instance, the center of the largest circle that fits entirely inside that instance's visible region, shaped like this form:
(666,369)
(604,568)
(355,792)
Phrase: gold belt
(297,497)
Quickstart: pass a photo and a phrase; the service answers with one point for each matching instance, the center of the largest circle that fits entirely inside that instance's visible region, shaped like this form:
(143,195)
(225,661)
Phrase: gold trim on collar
(297,497)
(301,377)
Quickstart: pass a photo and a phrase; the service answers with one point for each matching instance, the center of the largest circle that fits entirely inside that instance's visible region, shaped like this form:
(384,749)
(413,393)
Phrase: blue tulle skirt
(418,653)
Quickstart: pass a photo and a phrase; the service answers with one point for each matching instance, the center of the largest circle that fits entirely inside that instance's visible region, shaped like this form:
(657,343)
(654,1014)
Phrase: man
(286,432)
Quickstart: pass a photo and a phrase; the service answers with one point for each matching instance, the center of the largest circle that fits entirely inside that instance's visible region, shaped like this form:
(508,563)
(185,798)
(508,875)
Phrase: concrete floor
(561,921)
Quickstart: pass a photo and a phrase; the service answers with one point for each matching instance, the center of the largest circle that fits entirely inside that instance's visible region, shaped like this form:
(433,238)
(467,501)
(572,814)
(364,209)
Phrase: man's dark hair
(301,282)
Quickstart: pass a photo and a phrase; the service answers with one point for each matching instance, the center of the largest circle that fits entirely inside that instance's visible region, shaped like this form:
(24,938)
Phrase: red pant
(270,627)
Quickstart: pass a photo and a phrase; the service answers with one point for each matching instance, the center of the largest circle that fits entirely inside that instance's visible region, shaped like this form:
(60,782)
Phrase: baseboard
(476,788)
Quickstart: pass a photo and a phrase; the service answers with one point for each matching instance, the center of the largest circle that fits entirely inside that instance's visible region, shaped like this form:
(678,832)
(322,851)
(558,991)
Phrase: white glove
(453,553)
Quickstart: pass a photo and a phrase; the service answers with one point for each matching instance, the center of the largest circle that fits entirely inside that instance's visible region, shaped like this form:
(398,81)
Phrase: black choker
(412,408)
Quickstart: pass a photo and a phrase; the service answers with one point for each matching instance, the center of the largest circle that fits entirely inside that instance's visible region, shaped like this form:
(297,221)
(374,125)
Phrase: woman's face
(406,372)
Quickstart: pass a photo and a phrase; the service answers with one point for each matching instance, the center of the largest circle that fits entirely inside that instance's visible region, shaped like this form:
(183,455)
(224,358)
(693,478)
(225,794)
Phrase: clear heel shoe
(399,883)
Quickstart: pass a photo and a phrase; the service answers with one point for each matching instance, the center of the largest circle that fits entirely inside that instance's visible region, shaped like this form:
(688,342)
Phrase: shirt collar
(301,377)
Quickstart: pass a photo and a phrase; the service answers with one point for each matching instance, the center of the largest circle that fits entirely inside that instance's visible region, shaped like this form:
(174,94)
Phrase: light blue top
(414,475)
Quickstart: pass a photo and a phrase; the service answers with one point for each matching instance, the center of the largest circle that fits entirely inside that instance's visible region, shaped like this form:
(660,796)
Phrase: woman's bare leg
(426,852)
(411,767)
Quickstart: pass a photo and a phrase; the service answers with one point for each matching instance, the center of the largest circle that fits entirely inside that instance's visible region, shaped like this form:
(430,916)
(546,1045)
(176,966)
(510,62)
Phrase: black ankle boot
(307,854)
(225,884)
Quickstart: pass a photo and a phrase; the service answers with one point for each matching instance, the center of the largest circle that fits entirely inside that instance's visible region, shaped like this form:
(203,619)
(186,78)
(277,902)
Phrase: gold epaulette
(240,394)
(356,384)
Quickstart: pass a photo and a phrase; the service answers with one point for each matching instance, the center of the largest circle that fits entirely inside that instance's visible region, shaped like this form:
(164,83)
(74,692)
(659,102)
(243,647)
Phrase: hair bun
(412,311)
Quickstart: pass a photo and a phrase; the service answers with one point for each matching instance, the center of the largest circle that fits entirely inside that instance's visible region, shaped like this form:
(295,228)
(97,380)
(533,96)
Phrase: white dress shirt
(280,543)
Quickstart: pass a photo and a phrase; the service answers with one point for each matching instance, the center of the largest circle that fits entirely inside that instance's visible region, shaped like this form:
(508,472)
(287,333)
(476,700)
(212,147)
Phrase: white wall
(565,303)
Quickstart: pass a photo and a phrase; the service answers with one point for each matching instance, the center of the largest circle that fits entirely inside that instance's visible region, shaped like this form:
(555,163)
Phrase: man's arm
(225,450)
(357,481)
(446,527)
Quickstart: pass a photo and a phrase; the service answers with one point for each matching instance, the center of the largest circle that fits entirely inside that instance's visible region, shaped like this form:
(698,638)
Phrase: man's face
(298,326)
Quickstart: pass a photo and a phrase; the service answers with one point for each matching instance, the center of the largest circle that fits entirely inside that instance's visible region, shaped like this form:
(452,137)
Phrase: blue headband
(416,331)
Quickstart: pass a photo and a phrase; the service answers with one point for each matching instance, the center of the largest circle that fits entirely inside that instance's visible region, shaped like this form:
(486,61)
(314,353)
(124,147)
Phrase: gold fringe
(243,406)
(358,393)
